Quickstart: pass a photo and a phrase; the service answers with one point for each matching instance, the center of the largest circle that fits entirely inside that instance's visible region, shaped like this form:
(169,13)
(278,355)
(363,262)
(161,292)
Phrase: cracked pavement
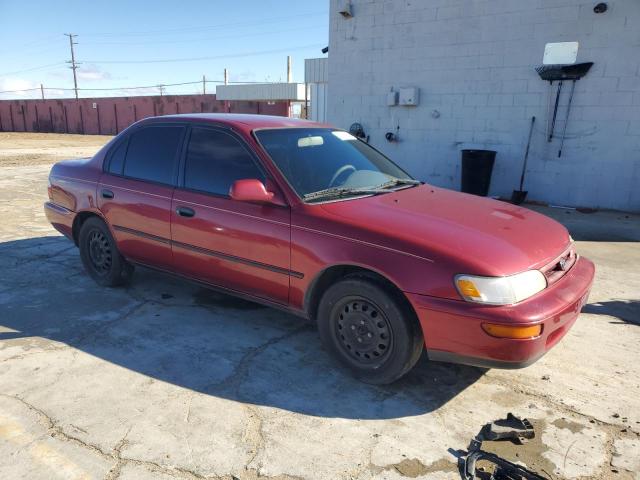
(165,380)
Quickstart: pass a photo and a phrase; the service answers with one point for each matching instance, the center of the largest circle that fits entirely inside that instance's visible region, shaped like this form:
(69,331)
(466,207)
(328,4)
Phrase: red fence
(108,116)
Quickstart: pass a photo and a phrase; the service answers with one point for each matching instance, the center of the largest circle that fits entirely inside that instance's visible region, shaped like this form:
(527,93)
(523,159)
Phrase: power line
(64,89)
(146,86)
(31,51)
(31,69)
(170,31)
(20,91)
(200,39)
(31,44)
(215,57)
(156,85)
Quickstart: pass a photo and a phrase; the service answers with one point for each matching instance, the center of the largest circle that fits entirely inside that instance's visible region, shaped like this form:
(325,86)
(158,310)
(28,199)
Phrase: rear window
(152,154)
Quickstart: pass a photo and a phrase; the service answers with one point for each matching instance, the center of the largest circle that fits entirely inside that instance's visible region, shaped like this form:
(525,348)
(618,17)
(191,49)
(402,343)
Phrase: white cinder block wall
(473,61)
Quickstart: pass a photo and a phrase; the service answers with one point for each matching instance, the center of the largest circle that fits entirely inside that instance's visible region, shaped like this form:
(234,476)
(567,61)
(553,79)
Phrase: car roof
(240,120)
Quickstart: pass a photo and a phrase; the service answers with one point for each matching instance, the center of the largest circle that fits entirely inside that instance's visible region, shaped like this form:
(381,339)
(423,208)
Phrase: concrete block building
(471,65)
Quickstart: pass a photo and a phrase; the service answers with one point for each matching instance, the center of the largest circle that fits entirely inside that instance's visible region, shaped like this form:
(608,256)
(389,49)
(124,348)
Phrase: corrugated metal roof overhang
(261,91)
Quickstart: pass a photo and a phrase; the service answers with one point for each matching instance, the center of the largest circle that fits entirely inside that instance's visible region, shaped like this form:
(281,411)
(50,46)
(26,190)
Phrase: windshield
(320,162)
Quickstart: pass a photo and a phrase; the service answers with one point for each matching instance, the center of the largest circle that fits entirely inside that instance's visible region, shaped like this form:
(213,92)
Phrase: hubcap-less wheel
(100,256)
(100,252)
(363,331)
(369,328)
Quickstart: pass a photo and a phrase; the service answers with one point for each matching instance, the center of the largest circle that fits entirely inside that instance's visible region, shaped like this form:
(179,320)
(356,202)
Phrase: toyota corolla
(307,218)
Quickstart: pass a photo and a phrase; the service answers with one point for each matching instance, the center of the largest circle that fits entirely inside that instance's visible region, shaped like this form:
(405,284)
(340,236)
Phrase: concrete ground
(166,380)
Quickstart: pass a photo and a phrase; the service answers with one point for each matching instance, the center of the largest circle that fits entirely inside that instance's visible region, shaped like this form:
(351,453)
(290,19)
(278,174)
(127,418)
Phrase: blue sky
(126,44)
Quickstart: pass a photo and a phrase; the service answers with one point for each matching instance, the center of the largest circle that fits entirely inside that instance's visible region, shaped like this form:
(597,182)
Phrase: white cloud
(91,73)
(15,87)
(244,76)
(12,84)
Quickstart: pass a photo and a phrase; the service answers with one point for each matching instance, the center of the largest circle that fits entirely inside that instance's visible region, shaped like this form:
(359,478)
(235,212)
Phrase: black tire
(369,330)
(100,255)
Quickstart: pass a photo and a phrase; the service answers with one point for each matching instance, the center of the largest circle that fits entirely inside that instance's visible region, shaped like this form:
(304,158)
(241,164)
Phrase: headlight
(500,290)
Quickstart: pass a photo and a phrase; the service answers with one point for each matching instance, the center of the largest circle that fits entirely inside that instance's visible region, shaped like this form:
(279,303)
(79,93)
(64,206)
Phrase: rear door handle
(185,212)
(107,194)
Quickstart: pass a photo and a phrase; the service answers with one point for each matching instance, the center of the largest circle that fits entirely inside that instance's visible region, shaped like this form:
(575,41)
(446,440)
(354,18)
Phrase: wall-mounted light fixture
(600,8)
(344,8)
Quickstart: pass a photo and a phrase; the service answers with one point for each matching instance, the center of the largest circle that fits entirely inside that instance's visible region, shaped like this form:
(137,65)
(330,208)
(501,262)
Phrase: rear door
(135,192)
(238,245)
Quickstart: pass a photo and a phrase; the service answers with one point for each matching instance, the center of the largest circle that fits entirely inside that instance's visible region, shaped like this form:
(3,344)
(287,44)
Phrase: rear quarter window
(116,158)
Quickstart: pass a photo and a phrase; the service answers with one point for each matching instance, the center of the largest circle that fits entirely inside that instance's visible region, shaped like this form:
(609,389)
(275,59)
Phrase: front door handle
(185,212)
(107,193)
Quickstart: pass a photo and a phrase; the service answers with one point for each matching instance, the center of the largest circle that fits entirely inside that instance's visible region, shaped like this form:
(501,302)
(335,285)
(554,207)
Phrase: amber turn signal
(468,289)
(510,331)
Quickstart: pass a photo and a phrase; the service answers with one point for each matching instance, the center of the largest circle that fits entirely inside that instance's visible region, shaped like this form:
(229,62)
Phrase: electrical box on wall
(409,96)
(392,99)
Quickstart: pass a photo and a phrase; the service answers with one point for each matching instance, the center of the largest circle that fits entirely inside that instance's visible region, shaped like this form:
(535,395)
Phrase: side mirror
(250,190)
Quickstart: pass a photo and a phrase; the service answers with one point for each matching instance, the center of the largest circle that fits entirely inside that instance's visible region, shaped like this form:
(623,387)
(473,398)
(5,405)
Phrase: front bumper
(453,333)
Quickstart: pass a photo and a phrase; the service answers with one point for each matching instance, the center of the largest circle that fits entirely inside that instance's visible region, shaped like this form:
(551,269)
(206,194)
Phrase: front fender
(312,252)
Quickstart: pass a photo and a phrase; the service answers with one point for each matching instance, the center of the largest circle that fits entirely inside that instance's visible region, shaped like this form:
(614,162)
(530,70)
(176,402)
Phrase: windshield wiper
(399,181)
(337,192)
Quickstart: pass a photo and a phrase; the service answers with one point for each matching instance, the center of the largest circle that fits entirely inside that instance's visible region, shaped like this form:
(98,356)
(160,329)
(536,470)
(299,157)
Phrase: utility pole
(42,91)
(161,88)
(289,73)
(204,85)
(74,65)
(227,105)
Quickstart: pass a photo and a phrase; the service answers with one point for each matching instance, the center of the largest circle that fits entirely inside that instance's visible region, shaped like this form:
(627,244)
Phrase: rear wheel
(369,330)
(100,256)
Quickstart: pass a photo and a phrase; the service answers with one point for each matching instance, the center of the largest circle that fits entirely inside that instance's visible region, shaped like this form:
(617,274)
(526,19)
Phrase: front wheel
(369,330)
(100,256)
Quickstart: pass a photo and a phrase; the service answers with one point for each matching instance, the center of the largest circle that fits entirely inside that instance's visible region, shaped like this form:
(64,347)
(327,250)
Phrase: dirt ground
(26,149)
(164,380)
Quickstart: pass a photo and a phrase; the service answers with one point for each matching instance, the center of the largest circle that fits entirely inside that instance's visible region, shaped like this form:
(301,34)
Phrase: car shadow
(626,310)
(177,332)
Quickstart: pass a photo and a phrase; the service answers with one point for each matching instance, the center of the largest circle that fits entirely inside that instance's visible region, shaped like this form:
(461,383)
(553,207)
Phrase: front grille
(560,266)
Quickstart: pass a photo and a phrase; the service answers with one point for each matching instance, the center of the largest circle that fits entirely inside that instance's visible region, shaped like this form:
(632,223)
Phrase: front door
(134,193)
(237,245)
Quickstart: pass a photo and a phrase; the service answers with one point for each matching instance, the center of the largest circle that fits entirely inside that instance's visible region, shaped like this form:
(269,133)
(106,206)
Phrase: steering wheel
(339,172)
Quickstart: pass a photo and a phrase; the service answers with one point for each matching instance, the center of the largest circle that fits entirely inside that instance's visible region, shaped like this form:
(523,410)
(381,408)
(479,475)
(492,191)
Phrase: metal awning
(261,91)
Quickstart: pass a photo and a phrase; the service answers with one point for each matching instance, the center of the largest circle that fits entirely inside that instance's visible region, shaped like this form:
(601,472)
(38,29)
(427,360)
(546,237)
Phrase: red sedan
(308,218)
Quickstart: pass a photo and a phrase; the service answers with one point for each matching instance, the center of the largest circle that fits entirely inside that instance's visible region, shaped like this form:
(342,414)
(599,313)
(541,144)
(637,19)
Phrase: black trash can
(477,166)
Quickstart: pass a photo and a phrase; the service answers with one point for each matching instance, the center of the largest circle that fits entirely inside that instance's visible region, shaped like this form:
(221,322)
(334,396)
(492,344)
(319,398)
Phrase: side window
(215,160)
(152,153)
(116,159)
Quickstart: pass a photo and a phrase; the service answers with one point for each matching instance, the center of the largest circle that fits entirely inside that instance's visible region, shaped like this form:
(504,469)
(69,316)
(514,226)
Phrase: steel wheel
(100,256)
(369,328)
(363,331)
(100,252)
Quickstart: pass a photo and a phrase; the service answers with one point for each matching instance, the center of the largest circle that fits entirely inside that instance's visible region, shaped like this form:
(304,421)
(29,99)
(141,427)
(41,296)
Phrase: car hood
(488,237)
